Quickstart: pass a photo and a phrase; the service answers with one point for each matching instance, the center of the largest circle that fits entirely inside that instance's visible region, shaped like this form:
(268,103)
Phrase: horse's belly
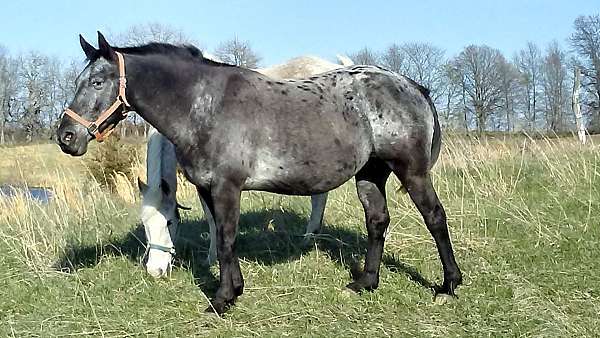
(320,173)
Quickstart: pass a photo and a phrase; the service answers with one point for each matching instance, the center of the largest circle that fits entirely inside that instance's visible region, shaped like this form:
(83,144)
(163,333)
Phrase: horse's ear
(164,186)
(142,186)
(106,51)
(91,53)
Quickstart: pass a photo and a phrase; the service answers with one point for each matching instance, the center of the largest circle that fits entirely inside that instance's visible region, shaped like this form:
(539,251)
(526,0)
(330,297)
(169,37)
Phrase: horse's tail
(436,141)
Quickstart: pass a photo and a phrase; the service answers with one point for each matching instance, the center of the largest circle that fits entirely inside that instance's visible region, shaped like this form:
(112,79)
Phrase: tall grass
(523,215)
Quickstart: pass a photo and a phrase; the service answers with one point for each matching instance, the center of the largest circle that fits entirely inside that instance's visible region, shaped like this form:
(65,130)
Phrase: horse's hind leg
(370,186)
(421,191)
(318,203)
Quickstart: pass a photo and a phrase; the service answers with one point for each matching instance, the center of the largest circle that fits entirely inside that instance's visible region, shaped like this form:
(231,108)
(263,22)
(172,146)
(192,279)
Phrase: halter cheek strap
(121,101)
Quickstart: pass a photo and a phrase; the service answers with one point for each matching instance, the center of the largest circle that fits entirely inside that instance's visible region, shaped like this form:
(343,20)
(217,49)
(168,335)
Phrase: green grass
(524,218)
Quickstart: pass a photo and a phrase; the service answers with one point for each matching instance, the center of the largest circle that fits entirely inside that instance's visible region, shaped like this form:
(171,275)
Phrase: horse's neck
(155,87)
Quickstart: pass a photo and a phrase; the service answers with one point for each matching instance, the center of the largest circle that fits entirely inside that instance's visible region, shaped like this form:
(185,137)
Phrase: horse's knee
(377,223)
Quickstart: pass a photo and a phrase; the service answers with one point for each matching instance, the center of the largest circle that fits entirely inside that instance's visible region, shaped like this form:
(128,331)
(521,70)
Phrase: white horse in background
(159,203)
(159,212)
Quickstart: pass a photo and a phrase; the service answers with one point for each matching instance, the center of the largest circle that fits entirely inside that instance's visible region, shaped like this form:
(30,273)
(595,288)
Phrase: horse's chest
(196,171)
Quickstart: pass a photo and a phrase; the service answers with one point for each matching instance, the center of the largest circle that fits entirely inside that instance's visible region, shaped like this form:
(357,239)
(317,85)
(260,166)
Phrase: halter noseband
(168,249)
(162,248)
(121,101)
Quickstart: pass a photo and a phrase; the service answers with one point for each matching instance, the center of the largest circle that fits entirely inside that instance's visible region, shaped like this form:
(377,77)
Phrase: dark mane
(162,48)
(183,51)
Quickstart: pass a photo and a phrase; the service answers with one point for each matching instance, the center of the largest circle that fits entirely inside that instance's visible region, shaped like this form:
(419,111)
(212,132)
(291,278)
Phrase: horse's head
(99,97)
(161,218)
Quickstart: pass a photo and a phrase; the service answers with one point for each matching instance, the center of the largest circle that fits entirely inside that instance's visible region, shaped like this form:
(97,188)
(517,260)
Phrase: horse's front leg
(223,200)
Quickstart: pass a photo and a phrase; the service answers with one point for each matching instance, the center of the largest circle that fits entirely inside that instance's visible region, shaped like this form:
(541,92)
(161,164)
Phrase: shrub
(111,159)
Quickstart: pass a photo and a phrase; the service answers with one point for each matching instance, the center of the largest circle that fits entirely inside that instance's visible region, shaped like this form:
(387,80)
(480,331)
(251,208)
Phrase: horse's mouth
(73,151)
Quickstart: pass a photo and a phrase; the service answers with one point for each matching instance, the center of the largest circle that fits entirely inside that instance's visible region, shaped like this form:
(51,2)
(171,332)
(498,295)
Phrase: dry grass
(523,213)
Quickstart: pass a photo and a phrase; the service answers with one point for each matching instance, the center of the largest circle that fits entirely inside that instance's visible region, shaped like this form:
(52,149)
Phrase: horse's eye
(97,84)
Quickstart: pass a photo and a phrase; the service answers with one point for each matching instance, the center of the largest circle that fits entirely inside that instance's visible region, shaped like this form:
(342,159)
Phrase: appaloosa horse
(235,129)
(159,211)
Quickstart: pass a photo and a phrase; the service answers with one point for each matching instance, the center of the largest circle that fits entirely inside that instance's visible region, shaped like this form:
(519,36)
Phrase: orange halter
(121,101)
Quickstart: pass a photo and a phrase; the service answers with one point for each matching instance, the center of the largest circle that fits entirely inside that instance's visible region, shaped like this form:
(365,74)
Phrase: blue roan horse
(235,129)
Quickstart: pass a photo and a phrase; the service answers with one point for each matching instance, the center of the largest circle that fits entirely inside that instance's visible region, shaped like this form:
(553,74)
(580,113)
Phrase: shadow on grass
(267,236)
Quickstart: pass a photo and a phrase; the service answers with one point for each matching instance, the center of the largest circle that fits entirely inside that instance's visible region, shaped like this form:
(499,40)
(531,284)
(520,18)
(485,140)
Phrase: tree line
(478,90)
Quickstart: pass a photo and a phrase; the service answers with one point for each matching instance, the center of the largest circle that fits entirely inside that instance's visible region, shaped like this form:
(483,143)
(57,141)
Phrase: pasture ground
(524,216)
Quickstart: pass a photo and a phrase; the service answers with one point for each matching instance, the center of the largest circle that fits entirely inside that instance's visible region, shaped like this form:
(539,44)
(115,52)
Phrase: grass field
(524,218)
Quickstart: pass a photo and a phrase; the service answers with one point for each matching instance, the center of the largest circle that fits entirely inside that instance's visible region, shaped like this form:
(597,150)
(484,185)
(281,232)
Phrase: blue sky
(279,30)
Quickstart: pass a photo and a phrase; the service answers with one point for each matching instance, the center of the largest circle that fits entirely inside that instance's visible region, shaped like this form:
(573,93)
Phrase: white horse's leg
(318,203)
(212,250)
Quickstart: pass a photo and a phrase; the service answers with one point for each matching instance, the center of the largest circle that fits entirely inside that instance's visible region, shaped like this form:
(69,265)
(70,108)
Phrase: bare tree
(451,106)
(586,42)
(365,56)
(555,87)
(509,87)
(394,58)
(528,62)
(35,99)
(238,52)
(8,89)
(480,67)
(153,32)
(424,63)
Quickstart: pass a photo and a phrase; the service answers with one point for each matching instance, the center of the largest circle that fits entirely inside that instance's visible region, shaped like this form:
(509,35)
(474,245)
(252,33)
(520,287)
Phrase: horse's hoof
(355,286)
(442,298)
(366,281)
(309,239)
(217,306)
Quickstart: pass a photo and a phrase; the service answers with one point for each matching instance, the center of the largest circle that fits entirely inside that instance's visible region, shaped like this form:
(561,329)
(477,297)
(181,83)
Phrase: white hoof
(442,298)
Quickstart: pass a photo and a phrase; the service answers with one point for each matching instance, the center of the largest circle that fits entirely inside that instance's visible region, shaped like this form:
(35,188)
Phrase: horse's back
(311,135)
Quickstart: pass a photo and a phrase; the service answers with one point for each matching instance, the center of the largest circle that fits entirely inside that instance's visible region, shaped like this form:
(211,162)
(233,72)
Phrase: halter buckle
(92,128)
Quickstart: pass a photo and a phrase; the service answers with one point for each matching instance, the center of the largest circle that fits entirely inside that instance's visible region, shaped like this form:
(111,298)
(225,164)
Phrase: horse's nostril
(67,137)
